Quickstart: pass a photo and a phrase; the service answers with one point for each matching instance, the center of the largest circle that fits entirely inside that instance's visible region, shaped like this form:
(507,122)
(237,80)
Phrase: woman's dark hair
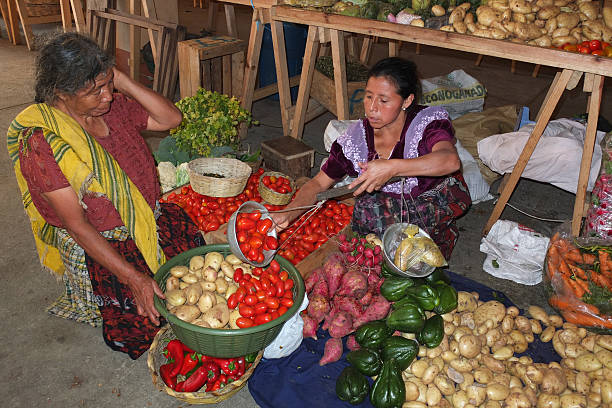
(400,71)
(66,63)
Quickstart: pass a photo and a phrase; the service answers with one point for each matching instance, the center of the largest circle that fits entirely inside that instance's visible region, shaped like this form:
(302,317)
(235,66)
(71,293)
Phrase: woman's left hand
(374,175)
(144,288)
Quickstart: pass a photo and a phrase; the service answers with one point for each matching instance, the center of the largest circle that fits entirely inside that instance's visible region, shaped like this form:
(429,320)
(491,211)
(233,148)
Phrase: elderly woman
(89,186)
(398,137)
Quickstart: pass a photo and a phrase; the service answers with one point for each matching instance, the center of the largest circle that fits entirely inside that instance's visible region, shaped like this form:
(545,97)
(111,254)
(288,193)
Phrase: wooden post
(148,8)
(282,73)
(548,106)
(366,50)
(596,87)
(134,59)
(66,18)
(339,61)
(79,17)
(230,20)
(252,59)
(394,48)
(308,67)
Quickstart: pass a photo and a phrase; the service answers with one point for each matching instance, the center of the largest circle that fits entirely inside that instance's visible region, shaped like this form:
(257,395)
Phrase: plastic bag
(290,336)
(478,187)
(514,252)
(579,274)
(598,221)
(458,92)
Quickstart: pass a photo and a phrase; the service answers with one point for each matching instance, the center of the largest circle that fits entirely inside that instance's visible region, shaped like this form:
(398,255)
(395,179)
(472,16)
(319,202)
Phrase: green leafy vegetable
(168,151)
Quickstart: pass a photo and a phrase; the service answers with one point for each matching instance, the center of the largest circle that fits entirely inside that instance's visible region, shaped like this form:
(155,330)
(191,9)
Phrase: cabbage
(419,5)
(182,174)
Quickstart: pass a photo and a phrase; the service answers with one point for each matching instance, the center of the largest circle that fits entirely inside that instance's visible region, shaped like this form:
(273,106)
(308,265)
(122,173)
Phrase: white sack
(290,336)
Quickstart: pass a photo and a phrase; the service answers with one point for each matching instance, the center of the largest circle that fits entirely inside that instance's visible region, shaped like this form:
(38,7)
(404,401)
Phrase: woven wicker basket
(271,196)
(155,359)
(235,176)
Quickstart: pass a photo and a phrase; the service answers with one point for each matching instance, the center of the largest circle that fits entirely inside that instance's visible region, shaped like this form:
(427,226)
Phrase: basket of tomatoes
(276,188)
(195,378)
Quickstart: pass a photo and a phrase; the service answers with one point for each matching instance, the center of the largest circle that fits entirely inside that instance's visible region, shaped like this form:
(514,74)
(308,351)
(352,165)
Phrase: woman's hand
(374,175)
(144,288)
(119,79)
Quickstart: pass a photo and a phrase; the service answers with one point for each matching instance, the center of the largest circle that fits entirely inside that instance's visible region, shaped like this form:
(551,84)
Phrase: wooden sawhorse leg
(594,85)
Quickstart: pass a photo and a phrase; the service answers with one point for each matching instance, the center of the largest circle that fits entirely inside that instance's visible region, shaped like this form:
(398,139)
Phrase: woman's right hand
(144,288)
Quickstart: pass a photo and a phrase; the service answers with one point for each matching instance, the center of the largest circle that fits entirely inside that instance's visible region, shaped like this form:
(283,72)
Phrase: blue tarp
(299,381)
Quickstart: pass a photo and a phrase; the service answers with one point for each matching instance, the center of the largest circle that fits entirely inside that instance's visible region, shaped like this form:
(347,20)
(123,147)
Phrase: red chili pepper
(241,363)
(175,352)
(189,362)
(196,380)
(228,365)
(220,383)
(213,371)
(164,373)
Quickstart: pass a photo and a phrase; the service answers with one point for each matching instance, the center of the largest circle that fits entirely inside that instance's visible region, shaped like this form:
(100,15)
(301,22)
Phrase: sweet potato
(367,298)
(349,305)
(378,309)
(373,279)
(318,307)
(332,351)
(354,283)
(329,317)
(333,270)
(341,325)
(310,327)
(351,343)
(313,278)
(321,288)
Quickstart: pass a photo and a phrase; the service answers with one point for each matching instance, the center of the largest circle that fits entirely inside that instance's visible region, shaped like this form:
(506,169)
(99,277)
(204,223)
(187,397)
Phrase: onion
(391,18)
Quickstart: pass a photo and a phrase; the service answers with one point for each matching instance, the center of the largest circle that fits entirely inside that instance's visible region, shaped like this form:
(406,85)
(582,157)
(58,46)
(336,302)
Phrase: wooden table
(572,65)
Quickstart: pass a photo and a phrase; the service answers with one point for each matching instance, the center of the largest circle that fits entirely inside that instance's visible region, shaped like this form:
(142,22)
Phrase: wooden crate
(323,91)
(289,156)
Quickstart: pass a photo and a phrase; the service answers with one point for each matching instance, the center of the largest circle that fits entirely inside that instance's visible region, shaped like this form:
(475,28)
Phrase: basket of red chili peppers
(195,378)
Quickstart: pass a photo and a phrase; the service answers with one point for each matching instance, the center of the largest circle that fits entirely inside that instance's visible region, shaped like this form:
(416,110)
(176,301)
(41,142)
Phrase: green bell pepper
(386,272)
(448,298)
(408,319)
(352,386)
(388,390)
(436,276)
(366,361)
(394,288)
(425,296)
(432,333)
(372,334)
(401,349)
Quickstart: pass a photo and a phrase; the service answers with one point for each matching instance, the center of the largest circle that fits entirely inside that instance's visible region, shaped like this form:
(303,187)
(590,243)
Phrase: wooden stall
(572,67)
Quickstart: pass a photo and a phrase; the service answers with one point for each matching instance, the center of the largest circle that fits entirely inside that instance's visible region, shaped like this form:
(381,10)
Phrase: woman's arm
(163,115)
(306,195)
(66,205)
(442,160)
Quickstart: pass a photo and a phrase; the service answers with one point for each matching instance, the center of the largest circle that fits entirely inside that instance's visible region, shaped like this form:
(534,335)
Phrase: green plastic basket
(226,342)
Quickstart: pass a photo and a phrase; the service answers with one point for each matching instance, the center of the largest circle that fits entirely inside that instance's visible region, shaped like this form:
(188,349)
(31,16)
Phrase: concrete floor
(53,362)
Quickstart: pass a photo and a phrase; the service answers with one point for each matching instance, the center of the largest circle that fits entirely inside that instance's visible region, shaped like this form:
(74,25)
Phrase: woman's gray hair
(66,63)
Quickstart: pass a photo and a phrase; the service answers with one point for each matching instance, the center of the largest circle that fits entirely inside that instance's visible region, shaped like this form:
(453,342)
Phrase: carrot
(560,303)
(551,268)
(573,255)
(605,265)
(556,237)
(579,272)
(589,259)
(563,267)
(600,280)
(583,284)
(586,319)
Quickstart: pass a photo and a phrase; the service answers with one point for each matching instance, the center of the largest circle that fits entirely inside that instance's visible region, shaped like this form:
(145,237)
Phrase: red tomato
(583,49)
(260,308)
(245,248)
(597,52)
(280,288)
(272,303)
(238,274)
(255,242)
(288,284)
(263,226)
(255,215)
(250,300)
(595,45)
(244,322)
(263,318)
(261,295)
(260,257)
(271,242)
(240,293)
(246,311)
(257,284)
(275,266)
(241,236)
(253,254)
(283,275)
(265,283)
(257,271)
(245,224)
(286,302)
(282,310)
(232,301)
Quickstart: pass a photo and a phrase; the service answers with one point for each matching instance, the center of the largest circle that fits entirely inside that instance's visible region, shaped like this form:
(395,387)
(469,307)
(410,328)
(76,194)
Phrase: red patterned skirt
(123,329)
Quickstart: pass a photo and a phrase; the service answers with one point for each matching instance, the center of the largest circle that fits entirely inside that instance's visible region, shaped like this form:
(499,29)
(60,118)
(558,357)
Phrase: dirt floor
(53,362)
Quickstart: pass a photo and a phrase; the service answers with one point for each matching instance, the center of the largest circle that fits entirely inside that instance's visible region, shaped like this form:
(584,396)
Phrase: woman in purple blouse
(398,137)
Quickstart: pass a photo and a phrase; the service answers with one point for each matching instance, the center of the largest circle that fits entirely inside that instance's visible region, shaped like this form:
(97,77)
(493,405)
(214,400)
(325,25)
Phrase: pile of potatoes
(475,365)
(198,293)
(536,22)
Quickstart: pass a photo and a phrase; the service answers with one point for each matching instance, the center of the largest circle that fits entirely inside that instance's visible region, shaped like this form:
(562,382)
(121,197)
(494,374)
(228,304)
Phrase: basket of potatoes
(198,284)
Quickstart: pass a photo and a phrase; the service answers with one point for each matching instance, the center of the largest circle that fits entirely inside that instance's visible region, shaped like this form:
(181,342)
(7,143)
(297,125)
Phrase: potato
(587,362)
(445,386)
(492,364)
(606,391)
(548,12)
(604,341)
(523,324)
(193,293)
(196,263)
(221,285)
(547,334)
(573,400)
(207,301)
(208,286)
(517,399)
(460,27)
(220,299)
(175,297)
(546,400)
(179,271)
(414,404)
(233,259)
(412,391)
(486,16)
(217,317)
(417,22)
(569,20)
(231,289)
(233,316)
(201,323)
(190,278)
(605,357)
(227,269)
(172,283)
(430,374)
(554,381)
(519,6)
(589,8)
(497,392)
(213,260)
(437,11)
(187,313)
(459,399)
(418,368)
(469,346)
(491,310)
(209,274)
(503,353)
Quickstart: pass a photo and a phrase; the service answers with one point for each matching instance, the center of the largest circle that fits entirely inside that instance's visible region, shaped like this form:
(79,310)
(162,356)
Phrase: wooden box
(288,155)
(323,90)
